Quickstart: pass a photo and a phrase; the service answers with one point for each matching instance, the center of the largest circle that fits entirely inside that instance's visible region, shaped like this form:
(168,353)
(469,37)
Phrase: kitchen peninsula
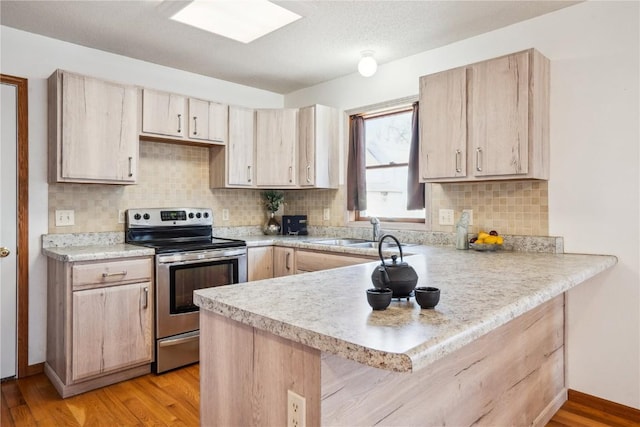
(490,353)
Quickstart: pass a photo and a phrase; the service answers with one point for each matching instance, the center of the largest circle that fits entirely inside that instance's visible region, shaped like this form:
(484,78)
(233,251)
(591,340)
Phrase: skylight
(241,20)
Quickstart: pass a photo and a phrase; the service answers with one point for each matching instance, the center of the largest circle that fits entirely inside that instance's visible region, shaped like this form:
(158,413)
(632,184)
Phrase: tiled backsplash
(172,175)
(313,202)
(513,207)
(169,175)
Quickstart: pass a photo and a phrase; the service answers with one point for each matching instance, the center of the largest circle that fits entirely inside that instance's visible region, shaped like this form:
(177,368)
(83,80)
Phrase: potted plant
(272,201)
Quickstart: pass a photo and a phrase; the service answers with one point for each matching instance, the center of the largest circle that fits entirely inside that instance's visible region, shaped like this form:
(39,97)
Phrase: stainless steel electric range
(188,257)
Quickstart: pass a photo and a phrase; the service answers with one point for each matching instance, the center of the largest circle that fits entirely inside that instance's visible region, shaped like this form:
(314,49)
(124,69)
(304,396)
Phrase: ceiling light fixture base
(367,66)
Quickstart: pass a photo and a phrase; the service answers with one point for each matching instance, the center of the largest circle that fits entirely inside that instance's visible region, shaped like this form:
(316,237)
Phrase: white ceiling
(323,45)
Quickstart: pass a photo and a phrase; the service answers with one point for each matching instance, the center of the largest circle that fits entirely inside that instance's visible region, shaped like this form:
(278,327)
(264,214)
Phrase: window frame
(399,108)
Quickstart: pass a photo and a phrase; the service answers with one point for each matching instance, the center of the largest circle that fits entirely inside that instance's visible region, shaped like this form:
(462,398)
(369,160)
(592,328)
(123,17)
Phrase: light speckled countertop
(96,252)
(328,310)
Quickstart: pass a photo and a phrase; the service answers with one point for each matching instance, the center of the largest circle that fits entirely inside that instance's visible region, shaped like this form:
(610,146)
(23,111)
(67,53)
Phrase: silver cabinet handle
(249,173)
(119,273)
(425,168)
(179,123)
(195,125)
(308,173)
(146,298)
(479,159)
(458,161)
(286,262)
(290,173)
(130,167)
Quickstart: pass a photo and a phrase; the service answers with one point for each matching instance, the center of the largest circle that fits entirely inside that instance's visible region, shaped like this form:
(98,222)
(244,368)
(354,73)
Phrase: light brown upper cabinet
(163,113)
(93,130)
(207,121)
(175,117)
(233,165)
(318,147)
(486,121)
(278,148)
(276,140)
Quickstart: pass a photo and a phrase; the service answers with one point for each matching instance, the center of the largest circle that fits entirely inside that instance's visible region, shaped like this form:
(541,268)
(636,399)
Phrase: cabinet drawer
(315,261)
(97,273)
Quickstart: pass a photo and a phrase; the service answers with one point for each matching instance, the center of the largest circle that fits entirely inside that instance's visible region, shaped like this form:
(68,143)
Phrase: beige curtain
(356,166)
(415,189)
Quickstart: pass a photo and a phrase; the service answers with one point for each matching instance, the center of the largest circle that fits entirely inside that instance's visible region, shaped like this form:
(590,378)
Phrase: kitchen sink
(385,245)
(356,243)
(342,242)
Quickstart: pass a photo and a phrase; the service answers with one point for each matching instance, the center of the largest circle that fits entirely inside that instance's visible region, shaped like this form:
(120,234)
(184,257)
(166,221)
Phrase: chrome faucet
(376,228)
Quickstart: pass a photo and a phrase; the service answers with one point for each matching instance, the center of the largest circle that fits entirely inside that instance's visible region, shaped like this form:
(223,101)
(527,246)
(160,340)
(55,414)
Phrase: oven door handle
(173,259)
(178,341)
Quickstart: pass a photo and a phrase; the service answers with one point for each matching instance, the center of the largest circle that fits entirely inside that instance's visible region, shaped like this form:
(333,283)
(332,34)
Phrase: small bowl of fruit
(490,241)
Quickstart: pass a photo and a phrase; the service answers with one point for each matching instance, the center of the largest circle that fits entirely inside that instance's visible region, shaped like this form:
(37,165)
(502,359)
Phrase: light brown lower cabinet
(259,263)
(284,261)
(111,329)
(99,322)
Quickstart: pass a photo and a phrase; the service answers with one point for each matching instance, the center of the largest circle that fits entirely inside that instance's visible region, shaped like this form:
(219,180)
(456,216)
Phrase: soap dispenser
(462,237)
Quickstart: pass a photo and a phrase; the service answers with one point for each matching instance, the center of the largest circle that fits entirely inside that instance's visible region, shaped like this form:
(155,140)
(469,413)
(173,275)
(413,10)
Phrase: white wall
(594,187)
(35,57)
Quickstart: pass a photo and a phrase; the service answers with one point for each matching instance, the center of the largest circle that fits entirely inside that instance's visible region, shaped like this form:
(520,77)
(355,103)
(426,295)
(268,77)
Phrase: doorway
(14,227)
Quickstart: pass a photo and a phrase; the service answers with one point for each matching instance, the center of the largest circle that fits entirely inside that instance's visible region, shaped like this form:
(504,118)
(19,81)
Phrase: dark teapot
(399,276)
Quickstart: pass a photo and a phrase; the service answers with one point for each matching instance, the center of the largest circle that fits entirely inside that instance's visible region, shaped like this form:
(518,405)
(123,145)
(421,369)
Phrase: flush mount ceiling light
(367,65)
(241,20)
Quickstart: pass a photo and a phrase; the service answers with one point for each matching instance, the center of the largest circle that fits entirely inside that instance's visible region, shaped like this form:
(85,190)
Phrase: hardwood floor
(169,399)
(173,398)
(589,411)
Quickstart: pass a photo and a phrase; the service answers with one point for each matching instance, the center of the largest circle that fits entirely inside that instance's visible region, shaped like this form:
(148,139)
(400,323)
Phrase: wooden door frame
(22,251)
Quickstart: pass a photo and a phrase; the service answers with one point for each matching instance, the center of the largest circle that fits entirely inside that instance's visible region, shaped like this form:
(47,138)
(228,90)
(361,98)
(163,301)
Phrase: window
(387,140)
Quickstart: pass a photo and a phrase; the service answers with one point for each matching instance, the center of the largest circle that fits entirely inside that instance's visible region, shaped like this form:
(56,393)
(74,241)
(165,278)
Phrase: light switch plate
(445,216)
(65,218)
(225,214)
(326,214)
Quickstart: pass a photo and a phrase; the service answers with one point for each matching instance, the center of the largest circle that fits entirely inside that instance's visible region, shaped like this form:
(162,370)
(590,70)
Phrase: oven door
(178,275)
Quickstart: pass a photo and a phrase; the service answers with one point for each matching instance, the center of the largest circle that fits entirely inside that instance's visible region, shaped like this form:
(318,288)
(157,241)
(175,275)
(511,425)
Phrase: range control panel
(163,217)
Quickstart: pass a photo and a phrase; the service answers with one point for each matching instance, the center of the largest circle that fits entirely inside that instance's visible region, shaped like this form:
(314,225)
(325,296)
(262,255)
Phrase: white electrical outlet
(296,416)
(470,211)
(326,214)
(446,217)
(120,216)
(225,214)
(65,218)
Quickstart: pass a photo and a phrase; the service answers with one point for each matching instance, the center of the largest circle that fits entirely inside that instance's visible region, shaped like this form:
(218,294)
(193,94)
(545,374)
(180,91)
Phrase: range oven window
(187,278)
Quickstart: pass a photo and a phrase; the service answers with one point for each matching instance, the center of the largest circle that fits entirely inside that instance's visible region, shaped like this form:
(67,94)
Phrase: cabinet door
(99,136)
(218,118)
(163,113)
(283,261)
(111,329)
(198,119)
(260,263)
(240,148)
(443,125)
(498,126)
(276,140)
(307,146)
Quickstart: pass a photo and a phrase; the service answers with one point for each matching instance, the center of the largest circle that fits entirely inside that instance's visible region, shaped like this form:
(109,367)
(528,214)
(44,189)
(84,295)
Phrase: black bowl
(427,297)
(379,299)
